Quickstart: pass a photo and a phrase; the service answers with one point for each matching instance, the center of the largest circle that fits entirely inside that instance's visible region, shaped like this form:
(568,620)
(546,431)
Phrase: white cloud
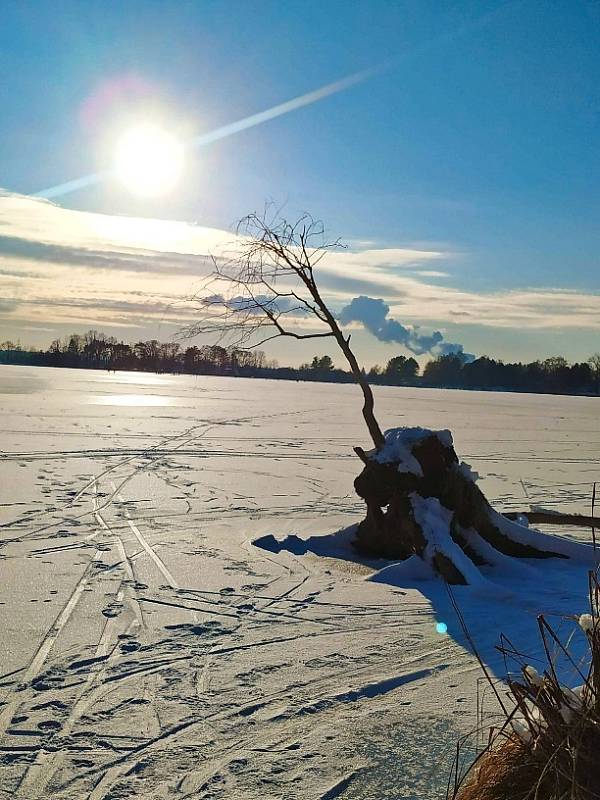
(60,266)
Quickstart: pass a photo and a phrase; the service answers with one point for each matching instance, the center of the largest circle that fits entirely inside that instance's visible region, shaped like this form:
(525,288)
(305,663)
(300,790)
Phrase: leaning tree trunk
(421,500)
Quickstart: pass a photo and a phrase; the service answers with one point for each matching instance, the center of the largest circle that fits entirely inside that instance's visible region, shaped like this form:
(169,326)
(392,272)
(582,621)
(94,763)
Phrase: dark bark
(344,345)
(369,402)
(555,518)
(393,529)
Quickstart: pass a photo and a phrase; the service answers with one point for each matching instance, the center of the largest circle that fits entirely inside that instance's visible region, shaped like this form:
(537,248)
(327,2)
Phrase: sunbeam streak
(229,130)
(297,102)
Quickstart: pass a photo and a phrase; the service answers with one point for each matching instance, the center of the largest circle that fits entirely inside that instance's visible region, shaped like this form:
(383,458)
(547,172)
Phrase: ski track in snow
(153,651)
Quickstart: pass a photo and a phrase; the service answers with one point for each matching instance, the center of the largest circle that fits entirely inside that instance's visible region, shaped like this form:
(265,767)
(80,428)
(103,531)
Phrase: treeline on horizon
(95,350)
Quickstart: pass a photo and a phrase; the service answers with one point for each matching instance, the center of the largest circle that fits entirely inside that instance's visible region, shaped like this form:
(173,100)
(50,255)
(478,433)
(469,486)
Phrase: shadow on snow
(507,602)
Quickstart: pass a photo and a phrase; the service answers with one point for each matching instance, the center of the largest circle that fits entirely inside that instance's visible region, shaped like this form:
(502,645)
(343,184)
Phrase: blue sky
(479,140)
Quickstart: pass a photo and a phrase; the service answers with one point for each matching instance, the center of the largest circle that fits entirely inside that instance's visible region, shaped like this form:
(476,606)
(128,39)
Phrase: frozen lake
(150,650)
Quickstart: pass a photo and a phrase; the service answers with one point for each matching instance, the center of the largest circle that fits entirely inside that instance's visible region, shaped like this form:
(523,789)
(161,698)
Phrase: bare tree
(420,499)
(267,290)
(594,362)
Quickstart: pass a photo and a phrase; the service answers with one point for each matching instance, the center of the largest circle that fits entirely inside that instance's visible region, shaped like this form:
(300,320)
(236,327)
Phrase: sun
(148,160)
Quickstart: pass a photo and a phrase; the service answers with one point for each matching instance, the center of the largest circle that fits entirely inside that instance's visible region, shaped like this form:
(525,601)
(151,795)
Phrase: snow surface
(183,615)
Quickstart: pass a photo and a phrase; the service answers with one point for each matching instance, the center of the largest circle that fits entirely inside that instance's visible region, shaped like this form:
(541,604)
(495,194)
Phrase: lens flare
(148,160)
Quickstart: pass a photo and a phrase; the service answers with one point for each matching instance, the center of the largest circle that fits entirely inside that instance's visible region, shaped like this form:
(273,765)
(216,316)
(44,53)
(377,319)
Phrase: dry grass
(548,747)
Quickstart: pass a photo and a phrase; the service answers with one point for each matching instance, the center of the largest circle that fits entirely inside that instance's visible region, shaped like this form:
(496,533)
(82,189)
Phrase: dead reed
(548,747)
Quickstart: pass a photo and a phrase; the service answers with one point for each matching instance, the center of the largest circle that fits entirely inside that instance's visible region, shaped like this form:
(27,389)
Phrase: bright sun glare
(148,160)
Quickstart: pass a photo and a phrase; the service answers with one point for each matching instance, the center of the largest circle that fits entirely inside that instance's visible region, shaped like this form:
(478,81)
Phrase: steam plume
(373,314)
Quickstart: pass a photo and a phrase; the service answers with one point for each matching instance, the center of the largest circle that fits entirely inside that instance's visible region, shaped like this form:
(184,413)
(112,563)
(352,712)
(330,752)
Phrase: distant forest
(94,350)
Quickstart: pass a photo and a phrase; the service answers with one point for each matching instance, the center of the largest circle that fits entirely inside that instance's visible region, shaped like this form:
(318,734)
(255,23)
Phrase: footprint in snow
(113,610)
(130,647)
(51,679)
(49,725)
(55,704)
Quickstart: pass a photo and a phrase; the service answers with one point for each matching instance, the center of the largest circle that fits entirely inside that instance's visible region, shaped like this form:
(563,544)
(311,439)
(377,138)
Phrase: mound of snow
(404,573)
(399,443)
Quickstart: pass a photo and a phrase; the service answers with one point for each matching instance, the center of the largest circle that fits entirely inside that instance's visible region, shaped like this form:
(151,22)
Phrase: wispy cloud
(132,260)
(8,305)
(61,266)
(431,273)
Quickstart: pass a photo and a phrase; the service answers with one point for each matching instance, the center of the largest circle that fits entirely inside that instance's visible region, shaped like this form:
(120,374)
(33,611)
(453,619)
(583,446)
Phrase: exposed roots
(421,500)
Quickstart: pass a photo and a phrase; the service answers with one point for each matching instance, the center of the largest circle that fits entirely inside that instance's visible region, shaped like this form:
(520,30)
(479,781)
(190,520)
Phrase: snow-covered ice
(181,610)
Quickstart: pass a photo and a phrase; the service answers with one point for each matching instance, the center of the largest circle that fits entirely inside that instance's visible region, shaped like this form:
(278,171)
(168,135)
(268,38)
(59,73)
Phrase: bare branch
(253,291)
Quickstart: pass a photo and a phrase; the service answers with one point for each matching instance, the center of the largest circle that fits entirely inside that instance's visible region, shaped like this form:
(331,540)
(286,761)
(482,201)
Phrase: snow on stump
(421,500)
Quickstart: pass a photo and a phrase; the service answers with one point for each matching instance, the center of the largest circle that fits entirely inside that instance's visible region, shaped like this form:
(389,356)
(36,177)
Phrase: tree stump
(422,501)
